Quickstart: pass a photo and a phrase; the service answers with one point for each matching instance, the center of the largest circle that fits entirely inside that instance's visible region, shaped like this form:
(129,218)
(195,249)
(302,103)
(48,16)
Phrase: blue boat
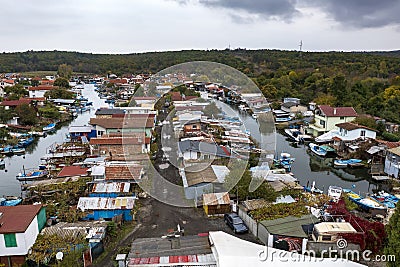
(366,204)
(7,150)
(285,161)
(18,149)
(322,151)
(32,175)
(386,199)
(26,142)
(49,127)
(10,202)
(343,163)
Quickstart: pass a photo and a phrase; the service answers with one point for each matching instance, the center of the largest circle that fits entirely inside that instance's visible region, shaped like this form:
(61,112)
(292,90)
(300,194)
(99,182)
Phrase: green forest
(368,81)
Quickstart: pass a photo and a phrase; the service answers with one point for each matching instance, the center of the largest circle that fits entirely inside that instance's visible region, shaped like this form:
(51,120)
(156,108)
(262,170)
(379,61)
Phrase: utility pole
(300,47)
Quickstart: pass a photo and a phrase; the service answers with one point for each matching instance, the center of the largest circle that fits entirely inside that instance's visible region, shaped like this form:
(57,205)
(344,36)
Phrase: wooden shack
(216,203)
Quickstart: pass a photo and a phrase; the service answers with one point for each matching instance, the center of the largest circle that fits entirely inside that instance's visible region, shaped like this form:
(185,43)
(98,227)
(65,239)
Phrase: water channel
(308,167)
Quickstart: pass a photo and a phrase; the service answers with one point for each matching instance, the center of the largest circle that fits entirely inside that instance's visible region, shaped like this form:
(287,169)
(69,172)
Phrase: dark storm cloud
(245,11)
(349,13)
(282,9)
(360,13)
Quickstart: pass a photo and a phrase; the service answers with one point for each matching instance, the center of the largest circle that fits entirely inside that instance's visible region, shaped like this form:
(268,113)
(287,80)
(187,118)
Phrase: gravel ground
(155,219)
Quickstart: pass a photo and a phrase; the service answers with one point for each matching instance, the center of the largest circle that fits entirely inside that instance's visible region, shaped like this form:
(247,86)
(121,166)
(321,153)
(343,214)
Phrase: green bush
(390,137)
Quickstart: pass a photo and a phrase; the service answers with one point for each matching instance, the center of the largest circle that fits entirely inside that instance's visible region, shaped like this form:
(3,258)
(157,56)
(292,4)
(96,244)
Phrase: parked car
(235,223)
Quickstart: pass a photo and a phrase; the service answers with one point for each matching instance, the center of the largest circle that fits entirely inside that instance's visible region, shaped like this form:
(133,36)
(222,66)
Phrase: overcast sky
(127,26)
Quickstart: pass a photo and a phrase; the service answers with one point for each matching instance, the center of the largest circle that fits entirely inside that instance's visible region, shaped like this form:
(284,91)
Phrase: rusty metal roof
(216,199)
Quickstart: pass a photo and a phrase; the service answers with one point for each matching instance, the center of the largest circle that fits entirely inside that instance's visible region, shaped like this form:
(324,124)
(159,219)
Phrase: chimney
(334,111)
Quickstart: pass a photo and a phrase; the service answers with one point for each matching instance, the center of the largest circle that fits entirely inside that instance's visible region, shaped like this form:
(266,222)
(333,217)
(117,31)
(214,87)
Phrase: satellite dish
(59,256)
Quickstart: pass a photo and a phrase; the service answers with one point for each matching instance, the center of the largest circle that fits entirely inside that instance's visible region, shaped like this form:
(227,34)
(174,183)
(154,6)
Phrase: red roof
(34,98)
(16,219)
(42,88)
(9,81)
(352,126)
(14,103)
(389,144)
(132,122)
(119,140)
(68,171)
(338,111)
(118,81)
(176,96)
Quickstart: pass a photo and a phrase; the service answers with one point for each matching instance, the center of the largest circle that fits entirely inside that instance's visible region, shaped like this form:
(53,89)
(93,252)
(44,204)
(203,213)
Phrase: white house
(350,131)
(392,162)
(39,91)
(326,117)
(20,226)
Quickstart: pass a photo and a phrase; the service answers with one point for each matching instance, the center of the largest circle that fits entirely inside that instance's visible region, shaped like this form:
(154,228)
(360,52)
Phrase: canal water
(307,167)
(9,185)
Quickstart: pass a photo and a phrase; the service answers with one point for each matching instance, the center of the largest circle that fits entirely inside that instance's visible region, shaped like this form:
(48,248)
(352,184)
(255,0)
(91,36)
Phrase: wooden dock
(380,178)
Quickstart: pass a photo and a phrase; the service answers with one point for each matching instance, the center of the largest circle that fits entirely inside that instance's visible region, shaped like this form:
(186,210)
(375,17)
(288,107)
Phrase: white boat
(49,127)
(297,136)
(343,163)
(335,192)
(321,150)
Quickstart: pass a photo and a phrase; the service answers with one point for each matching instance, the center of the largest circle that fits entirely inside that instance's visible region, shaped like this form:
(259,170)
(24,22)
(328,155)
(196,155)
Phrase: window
(10,240)
(326,238)
(341,118)
(322,123)
(362,132)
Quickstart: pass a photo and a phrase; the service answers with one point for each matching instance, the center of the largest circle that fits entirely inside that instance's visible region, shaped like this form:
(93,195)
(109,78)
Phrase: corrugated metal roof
(290,225)
(216,199)
(106,203)
(111,187)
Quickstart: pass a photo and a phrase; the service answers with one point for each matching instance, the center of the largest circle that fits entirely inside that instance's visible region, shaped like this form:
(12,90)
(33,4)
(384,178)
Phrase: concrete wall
(251,224)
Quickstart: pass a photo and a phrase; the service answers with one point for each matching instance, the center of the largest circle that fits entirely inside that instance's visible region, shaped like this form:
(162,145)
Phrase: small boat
(18,150)
(7,150)
(343,163)
(366,204)
(26,142)
(297,136)
(335,192)
(49,127)
(10,201)
(285,161)
(386,199)
(322,151)
(32,175)
(313,189)
(2,163)
(81,98)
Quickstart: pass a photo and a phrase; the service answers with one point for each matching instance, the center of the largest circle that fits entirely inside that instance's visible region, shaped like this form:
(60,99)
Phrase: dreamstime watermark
(330,254)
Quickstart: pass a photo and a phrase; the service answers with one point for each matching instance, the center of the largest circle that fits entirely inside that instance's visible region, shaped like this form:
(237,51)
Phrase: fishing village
(98,167)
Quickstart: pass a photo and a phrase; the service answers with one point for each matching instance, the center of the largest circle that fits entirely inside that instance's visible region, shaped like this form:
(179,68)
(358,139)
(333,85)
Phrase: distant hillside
(368,81)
